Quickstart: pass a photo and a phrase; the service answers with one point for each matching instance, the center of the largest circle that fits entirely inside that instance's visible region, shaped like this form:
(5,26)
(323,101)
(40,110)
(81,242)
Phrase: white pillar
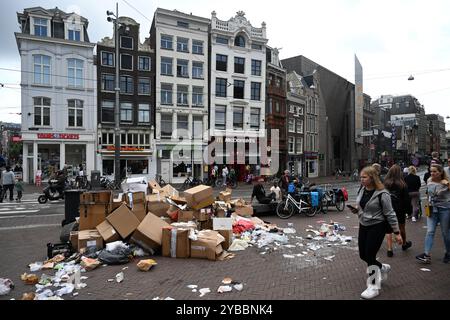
(90,158)
(62,155)
(25,163)
(35,158)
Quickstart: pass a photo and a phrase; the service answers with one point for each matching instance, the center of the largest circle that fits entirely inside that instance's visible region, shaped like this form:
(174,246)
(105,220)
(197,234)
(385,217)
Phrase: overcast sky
(392,39)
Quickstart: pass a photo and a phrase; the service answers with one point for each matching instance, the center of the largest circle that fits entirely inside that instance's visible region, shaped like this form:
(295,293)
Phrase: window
(239,41)
(182,123)
(74,33)
(256,91)
(41,111)
(182,68)
(300,111)
(397,105)
(166,125)
(239,86)
(221,87)
(182,44)
(166,42)
(75,72)
(107,59)
(198,127)
(291,108)
(299,146)
(144,113)
(256,67)
(40,27)
(222,40)
(126,62)
(239,65)
(126,112)
(291,144)
(238,118)
(407,104)
(166,94)
(256,46)
(182,95)
(299,126)
(278,82)
(144,63)
(270,110)
(197,47)
(41,69)
(182,24)
(166,66)
(126,42)
(126,85)
(107,111)
(221,117)
(75,113)
(221,62)
(197,70)
(317,125)
(144,86)
(254,118)
(108,82)
(197,96)
(291,125)
(277,106)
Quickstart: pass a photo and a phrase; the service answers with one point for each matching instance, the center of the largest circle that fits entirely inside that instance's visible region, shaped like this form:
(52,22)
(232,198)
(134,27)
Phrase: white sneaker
(385,271)
(370,293)
(414,219)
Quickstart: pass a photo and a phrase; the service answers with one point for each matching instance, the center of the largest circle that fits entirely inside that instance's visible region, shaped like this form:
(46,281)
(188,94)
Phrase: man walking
(8,180)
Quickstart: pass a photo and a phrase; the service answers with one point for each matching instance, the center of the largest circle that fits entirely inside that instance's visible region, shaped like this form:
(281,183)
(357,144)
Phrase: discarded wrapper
(29,278)
(119,277)
(28,296)
(89,264)
(145,265)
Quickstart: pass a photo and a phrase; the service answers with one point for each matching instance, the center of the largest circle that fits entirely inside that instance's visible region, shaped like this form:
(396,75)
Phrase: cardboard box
(237,203)
(156,205)
(203,204)
(107,231)
(96,197)
(207,246)
(153,185)
(222,224)
(205,225)
(115,204)
(173,213)
(73,238)
(185,216)
(220,213)
(123,220)
(178,200)
(91,215)
(89,238)
(202,215)
(185,225)
(245,211)
(225,195)
(228,235)
(135,184)
(148,234)
(175,242)
(170,191)
(137,202)
(199,195)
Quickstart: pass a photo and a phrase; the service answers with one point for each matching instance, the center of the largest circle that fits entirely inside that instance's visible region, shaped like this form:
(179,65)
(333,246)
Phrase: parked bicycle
(231,183)
(287,207)
(160,181)
(191,182)
(330,196)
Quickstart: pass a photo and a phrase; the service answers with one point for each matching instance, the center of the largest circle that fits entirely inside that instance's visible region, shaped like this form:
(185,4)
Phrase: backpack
(345,193)
(291,188)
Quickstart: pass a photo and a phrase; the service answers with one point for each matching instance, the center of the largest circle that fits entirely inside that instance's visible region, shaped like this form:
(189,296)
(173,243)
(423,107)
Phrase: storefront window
(48,159)
(181,169)
(76,155)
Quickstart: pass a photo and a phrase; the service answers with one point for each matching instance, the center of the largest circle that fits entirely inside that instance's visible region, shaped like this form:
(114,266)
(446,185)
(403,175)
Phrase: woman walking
(401,204)
(439,198)
(375,212)
(413,183)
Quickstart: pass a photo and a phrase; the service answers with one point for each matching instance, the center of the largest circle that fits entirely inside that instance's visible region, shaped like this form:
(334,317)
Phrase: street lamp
(117,90)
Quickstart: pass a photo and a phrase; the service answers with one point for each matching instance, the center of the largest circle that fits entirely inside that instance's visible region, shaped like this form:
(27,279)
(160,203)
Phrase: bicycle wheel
(185,185)
(324,205)
(219,182)
(340,204)
(312,211)
(285,211)
(162,183)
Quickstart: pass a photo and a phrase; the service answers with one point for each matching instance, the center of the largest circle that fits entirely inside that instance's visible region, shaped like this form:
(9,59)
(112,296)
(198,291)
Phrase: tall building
(181,45)
(238,93)
(58,93)
(136,101)
(436,140)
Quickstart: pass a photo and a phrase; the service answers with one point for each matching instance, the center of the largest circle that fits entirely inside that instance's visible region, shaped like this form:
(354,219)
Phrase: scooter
(51,192)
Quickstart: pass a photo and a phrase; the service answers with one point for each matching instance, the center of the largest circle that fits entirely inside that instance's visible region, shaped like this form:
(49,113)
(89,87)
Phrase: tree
(15,151)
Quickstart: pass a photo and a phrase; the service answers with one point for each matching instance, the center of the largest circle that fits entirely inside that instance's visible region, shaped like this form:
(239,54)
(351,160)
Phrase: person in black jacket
(260,193)
(413,183)
(401,203)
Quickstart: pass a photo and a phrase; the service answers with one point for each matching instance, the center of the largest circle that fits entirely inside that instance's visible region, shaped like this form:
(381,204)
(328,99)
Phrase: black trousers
(7,187)
(370,240)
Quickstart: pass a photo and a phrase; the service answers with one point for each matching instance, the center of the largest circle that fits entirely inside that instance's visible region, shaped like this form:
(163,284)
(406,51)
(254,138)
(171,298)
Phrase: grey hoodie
(373,213)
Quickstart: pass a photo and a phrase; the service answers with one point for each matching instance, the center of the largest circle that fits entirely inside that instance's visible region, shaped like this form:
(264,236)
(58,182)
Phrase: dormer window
(74,33)
(239,41)
(40,27)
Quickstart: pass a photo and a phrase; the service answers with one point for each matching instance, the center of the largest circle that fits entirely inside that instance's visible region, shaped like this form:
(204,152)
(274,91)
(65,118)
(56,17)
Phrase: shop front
(132,163)
(312,164)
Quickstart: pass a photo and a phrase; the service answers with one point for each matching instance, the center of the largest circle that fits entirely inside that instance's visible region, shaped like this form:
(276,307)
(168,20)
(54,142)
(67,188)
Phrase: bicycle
(285,208)
(231,183)
(190,183)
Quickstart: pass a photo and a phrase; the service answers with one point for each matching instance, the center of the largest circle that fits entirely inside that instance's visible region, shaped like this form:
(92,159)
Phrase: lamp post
(117,90)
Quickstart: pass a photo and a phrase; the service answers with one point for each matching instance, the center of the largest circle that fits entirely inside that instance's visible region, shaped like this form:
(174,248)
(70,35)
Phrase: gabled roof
(55,14)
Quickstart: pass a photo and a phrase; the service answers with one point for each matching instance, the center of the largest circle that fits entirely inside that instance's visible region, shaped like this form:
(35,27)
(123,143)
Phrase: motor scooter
(52,192)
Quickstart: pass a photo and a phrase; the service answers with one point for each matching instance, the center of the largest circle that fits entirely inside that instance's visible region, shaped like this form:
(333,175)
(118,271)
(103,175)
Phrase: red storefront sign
(16,139)
(63,136)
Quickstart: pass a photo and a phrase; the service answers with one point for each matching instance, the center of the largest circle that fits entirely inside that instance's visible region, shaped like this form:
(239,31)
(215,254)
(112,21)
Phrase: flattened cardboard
(245,211)
(185,216)
(148,234)
(89,238)
(222,224)
(107,231)
(179,237)
(228,235)
(123,220)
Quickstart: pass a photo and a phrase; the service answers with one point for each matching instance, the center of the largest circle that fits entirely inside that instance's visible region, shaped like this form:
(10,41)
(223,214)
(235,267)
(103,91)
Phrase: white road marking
(30,226)
(19,211)
(25,216)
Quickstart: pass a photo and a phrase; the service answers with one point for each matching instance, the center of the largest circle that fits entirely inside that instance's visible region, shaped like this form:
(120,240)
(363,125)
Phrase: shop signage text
(64,136)
(113,148)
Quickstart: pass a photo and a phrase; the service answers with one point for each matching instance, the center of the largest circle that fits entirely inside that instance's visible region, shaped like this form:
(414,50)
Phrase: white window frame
(128,112)
(220,108)
(78,81)
(196,96)
(149,86)
(183,45)
(198,46)
(132,43)
(182,96)
(300,110)
(292,108)
(291,125)
(166,41)
(132,61)
(101,84)
(299,145)
(40,25)
(183,68)
(75,109)
(42,69)
(149,63)
(168,115)
(167,94)
(127,76)
(252,126)
(113,59)
(74,28)
(41,106)
(299,126)
(165,66)
(242,127)
(291,142)
(111,106)
(197,68)
(144,113)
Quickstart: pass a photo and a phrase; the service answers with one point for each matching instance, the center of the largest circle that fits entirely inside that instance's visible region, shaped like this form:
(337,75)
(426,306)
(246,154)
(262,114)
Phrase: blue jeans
(441,215)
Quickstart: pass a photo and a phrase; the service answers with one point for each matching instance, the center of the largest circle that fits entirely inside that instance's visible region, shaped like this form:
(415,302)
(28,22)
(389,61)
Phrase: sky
(393,39)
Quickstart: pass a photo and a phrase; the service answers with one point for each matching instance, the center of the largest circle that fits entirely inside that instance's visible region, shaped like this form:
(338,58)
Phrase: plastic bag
(115,245)
(238,245)
(120,255)
(5,286)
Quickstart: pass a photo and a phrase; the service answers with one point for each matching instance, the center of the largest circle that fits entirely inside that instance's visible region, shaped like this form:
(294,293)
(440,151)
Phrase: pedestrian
(277,191)
(225,175)
(19,189)
(285,179)
(427,175)
(377,167)
(435,158)
(447,169)
(375,213)
(213,176)
(8,180)
(413,183)
(439,198)
(260,194)
(401,203)
(232,175)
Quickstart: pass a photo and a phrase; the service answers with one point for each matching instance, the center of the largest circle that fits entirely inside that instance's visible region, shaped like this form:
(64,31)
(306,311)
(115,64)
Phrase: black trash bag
(65,232)
(91,252)
(116,256)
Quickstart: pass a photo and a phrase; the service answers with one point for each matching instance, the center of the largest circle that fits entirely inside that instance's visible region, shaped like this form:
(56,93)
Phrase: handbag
(427,208)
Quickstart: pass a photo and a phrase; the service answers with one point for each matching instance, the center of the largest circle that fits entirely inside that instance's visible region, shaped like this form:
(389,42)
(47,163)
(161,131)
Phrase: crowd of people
(9,182)
(383,205)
